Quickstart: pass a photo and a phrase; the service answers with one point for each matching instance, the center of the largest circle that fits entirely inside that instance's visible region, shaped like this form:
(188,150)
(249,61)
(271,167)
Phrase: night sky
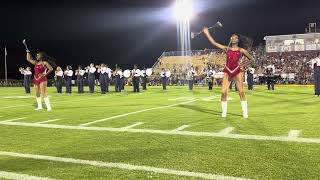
(127,32)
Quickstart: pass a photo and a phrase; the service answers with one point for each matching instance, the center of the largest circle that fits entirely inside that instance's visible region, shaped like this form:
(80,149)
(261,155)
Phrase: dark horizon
(134,32)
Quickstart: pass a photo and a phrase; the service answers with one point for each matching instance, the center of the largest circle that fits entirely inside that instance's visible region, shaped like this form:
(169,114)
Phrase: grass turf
(271,113)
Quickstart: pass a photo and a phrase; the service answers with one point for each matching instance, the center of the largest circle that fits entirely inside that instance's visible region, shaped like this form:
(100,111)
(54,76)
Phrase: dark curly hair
(244,41)
(49,59)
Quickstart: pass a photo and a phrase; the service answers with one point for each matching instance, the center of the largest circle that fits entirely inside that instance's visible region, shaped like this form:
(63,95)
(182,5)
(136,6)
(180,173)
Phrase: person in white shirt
(103,78)
(26,78)
(118,79)
(144,79)
(190,77)
(58,77)
(80,73)
(163,79)
(68,73)
(91,77)
(315,63)
(109,77)
(135,78)
(270,76)
(250,73)
(210,72)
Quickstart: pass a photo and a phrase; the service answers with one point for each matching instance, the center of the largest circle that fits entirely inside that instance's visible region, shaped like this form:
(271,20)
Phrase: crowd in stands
(293,67)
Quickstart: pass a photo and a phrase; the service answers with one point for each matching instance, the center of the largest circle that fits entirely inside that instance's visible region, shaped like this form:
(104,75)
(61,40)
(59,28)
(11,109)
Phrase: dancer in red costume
(41,70)
(232,70)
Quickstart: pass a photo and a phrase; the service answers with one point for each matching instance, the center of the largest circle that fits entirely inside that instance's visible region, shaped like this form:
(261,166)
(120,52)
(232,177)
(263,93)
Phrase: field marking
(294,133)
(19,97)
(169,132)
(181,128)
(15,119)
(16,176)
(49,121)
(227,130)
(184,98)
(54,102)
(8,107)
(133,125)
(134,112)
(123,166)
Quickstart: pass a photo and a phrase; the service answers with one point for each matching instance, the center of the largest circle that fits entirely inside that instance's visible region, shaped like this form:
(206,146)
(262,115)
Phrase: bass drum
(126,73)
(149,72)
(168,74)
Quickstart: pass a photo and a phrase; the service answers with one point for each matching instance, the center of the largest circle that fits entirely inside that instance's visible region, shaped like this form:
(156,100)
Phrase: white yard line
(293,133)
(124,166)
(181,128)
(52,102)
(227,130)
(16,176)
(133,125)
(169,132)
(21,105)
(49,121)
(15,119)
(182,99)
(135,112)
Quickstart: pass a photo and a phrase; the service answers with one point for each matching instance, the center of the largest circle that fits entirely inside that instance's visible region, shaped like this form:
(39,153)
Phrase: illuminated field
(173,134)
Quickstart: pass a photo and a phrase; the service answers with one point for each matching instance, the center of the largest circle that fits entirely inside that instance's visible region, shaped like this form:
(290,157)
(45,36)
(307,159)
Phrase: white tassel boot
(47,102)
(39,104)
(244,106)
(224,106)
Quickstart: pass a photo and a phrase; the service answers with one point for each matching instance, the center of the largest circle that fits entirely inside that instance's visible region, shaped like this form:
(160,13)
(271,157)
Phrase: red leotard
(232,67)
(39,69)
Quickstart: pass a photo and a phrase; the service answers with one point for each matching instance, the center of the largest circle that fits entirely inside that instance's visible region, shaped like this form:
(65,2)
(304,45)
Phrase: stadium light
(183,13)
(183,10)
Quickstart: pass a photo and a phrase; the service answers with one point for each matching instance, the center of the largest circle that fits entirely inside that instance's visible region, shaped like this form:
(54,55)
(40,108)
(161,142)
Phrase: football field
(156,134)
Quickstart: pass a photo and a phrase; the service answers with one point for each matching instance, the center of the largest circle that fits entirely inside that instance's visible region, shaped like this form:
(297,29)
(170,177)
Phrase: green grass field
(173,134)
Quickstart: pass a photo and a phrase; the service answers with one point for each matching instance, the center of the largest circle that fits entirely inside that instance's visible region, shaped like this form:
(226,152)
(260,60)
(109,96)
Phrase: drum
(168,74)
(126,73)
(149,72)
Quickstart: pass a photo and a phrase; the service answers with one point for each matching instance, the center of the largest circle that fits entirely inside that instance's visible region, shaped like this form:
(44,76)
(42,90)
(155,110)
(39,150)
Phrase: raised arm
(30,58)
(49,67)
(213,42)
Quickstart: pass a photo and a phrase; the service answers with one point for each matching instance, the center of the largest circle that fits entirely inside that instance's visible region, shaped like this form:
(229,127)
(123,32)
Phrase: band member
(68,73)
(163,79)
(58,77)
(26,78)
(91,77)
(80,73)
(42,68)
(270,76)
(118,79)
(250,73)
(109,76)
(135,78)
(144,79)
(315,63)
(210,72)
(190,77)
(232,70)
(103,78)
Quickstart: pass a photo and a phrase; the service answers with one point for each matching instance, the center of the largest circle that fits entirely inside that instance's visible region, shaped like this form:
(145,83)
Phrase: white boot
(47,102)
(39,104)
(244,106)
(224,106)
